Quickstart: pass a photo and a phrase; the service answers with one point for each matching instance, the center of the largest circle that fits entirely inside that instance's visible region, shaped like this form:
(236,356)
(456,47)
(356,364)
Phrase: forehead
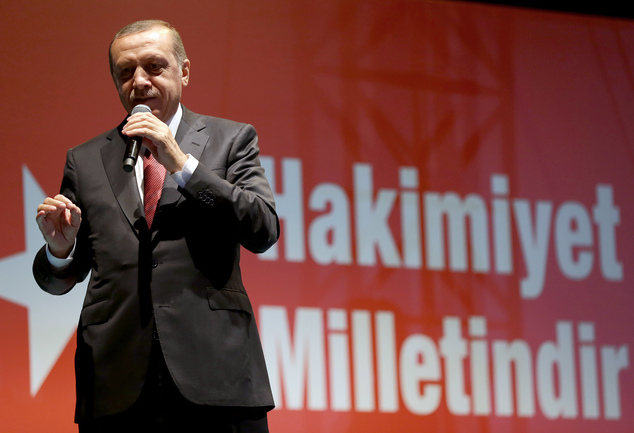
(149,43)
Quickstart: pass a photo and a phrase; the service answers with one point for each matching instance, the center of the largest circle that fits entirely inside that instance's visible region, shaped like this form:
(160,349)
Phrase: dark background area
(617,9)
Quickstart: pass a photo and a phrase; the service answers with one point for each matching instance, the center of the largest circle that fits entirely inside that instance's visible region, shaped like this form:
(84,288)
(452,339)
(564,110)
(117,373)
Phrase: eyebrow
(149,58)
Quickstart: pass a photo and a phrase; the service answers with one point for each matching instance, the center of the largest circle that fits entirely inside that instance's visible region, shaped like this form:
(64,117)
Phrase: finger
(141,120)
(45,224)
(51,213)
(72,206)
(58,203)
(55,208)
(62,198)
(46,208)
(48,201)
(75,216)
(143,115)
(40,218)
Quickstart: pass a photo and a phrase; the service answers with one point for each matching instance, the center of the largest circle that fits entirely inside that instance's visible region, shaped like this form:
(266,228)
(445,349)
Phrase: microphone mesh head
(141,108)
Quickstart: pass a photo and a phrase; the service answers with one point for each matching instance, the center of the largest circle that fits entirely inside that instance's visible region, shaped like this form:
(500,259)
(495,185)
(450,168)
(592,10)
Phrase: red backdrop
(454,182)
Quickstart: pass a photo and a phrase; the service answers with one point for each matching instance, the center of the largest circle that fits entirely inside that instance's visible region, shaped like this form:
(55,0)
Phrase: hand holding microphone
(133,144)
(142,124)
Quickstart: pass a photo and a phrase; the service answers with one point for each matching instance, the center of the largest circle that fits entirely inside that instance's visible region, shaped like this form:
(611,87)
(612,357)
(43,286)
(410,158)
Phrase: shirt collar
(175,120)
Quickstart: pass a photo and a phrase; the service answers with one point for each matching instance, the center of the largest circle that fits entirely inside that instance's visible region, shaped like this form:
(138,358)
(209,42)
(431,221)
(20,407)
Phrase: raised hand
(59,219)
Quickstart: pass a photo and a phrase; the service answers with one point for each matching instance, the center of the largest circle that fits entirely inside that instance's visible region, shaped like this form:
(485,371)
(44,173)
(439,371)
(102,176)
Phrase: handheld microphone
(133,144)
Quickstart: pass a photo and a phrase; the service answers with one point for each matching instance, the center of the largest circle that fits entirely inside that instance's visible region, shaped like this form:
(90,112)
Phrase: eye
(154,68)
(125,73)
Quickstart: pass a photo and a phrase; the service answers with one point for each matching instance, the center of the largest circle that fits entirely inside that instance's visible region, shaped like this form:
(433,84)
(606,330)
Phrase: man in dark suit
(167,339)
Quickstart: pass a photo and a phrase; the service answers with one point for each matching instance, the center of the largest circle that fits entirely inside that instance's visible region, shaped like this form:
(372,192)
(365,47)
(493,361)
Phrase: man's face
(145,71)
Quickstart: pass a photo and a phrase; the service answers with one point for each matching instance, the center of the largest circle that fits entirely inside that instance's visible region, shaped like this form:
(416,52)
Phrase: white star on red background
(52,320)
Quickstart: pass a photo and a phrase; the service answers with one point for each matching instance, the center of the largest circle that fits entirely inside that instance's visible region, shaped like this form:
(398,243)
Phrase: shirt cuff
(182,177)
(57,263)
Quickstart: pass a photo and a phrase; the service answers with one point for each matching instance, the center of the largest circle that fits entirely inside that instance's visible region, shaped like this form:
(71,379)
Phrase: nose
(141,78)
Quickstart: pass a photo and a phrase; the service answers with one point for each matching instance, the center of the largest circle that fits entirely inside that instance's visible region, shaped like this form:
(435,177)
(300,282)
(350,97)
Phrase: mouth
(146,100)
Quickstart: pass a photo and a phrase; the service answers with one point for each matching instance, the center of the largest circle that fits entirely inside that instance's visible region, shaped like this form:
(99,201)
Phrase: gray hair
(141,26)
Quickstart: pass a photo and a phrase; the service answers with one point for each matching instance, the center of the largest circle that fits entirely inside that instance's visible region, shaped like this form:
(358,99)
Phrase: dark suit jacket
(183,275)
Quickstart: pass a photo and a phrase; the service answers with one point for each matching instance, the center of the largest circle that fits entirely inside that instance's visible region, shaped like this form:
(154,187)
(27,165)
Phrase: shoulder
(212,124)
(97,142)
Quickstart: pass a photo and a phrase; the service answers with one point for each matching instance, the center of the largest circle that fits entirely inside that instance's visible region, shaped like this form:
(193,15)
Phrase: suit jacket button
(154,263)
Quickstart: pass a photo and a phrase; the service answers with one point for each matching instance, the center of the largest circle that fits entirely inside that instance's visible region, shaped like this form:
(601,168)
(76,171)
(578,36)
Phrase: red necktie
(153,177)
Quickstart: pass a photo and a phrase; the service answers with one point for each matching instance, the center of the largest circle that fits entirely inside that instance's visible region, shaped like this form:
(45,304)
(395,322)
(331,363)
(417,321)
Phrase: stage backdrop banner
(454,183)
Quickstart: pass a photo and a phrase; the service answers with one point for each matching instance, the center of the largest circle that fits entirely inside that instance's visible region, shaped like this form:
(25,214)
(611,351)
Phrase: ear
(185,72)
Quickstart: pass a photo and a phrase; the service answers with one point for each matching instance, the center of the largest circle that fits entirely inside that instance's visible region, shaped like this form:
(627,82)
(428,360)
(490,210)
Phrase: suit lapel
(191,135)
(124,185)
(192,140)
